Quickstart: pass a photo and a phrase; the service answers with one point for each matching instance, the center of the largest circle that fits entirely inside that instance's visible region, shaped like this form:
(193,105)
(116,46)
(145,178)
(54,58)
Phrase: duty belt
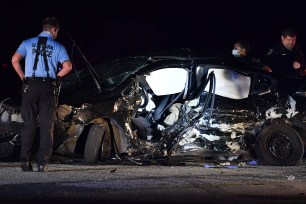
(45,79)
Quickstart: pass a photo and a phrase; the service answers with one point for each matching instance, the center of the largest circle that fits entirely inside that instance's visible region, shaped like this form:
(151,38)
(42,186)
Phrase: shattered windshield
(109,74)
(112,73)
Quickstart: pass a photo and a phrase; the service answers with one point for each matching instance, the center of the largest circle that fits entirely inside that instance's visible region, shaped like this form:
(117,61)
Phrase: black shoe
(42,168)
(26,165)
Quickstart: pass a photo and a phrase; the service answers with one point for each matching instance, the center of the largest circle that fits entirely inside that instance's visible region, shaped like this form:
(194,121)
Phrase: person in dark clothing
(242,51)
(286,57)
(41,79)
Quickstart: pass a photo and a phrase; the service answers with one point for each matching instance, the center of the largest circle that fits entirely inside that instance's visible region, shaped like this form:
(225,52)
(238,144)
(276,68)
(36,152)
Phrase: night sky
(105,31)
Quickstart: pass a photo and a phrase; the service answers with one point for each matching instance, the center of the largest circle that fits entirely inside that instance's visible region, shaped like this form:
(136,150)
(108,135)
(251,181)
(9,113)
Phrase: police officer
(40,78)
(286,57)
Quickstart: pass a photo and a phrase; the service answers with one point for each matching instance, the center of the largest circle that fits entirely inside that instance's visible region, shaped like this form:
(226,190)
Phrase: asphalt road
(75,182)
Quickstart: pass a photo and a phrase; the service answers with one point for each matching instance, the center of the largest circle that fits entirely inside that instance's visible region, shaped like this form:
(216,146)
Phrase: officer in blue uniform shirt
(41,77)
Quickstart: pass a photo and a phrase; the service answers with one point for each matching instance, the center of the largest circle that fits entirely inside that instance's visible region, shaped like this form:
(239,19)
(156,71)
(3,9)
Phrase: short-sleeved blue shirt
(56,53)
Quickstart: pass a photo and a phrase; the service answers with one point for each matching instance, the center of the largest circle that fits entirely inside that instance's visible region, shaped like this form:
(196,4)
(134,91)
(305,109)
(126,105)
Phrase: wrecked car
(175,107)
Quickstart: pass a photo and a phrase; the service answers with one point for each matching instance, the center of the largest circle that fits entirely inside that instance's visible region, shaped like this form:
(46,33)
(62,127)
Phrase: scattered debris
(113,170)
(291,178)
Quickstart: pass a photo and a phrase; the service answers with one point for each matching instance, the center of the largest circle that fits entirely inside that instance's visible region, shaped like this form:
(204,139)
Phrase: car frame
(221,110)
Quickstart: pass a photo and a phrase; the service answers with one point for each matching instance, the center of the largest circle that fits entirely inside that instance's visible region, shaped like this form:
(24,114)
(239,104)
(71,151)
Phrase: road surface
(75,182)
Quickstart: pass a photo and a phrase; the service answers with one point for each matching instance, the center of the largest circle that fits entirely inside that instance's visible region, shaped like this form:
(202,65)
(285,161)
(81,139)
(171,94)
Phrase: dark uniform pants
(38,110)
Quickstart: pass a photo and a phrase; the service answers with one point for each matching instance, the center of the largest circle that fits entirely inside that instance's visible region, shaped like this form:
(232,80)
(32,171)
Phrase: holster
(25,85)
(57,86)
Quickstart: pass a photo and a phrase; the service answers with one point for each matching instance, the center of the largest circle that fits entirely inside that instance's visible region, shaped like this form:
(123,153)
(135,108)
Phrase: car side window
(262,84)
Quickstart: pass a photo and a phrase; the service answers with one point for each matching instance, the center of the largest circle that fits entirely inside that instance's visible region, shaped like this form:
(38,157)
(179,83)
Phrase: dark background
(121,28)
(105,30)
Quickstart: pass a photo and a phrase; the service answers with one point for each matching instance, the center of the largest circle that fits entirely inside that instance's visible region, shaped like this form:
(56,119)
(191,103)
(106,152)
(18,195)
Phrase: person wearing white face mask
(242,51)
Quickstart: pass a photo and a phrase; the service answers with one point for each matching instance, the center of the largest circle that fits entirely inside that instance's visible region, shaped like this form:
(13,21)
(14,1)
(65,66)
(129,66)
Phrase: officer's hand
(24,82)
(296,65)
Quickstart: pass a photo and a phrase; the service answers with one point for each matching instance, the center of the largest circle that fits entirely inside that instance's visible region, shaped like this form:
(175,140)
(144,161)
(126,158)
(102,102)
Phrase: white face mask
(236,53)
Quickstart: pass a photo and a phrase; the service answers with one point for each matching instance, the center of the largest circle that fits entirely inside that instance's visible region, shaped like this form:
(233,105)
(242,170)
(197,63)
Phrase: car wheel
(93,143)
(106,147)
(279,145)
